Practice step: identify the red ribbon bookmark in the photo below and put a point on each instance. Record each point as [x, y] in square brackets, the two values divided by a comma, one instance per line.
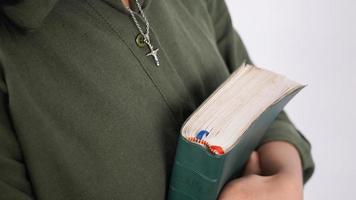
[218, 150]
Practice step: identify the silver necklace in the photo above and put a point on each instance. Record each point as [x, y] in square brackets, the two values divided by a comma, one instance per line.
[146, 36]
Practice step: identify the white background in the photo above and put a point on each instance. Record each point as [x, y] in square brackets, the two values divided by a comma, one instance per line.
[313, 42]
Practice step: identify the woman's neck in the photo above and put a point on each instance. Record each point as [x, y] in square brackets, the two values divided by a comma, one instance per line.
[126, 3]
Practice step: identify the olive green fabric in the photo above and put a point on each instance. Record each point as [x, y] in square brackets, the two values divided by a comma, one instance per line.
[85, 114]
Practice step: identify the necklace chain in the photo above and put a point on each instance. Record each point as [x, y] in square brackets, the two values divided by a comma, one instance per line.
[146, 36]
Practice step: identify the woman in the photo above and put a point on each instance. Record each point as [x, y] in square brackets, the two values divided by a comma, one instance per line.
[92, 103]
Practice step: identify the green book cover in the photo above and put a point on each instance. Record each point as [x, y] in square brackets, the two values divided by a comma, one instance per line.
[199, 174]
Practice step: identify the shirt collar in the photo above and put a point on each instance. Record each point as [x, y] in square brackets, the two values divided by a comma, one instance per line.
[29, 14]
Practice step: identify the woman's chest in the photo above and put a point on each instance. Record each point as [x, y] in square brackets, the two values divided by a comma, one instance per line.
[90, 50]
[81, 89]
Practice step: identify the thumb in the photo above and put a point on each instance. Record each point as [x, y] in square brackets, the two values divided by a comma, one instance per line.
[252, 165]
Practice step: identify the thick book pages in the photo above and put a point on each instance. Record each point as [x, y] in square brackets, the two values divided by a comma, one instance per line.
[218, 138]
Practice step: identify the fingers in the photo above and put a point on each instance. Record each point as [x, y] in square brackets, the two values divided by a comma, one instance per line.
[253, 165]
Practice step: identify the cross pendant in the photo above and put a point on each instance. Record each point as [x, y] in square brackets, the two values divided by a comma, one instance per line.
[154, 54]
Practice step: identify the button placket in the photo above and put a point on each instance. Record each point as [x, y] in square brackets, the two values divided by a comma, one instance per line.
[165, 78]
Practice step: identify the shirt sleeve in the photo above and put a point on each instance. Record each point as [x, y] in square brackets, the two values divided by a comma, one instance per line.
[234, 53]
[14, 183]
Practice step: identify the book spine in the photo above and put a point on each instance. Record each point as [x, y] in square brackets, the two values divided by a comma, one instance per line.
[196, 173]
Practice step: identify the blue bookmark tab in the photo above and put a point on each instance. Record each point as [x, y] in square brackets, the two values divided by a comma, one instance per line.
[201, 134]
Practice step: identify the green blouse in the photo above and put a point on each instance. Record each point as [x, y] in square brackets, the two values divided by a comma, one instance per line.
[85, 114]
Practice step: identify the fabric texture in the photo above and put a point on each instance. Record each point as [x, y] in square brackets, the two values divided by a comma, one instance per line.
[85, 114]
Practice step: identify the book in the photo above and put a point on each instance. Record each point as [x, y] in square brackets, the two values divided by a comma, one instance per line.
[219, 136]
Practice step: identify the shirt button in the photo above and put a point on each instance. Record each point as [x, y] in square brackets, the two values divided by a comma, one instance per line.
[140, 41]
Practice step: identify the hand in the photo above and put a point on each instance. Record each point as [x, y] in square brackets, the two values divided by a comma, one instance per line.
[273, 172]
